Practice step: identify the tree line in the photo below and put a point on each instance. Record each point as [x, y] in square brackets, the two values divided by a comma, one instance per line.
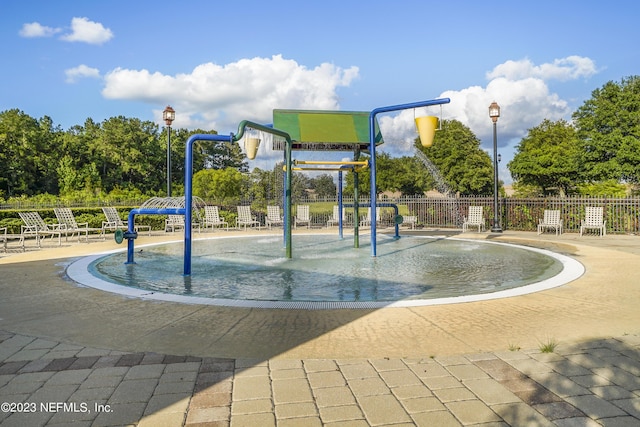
[598, 152]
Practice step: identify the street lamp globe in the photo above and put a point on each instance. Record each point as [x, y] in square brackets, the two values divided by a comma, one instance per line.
[494, 111]
[168, 115]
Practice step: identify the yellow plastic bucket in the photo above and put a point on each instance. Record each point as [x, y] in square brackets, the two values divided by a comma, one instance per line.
[426, 126]
[251, 147]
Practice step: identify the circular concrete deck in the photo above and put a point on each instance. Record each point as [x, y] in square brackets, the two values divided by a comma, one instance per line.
[39, 300]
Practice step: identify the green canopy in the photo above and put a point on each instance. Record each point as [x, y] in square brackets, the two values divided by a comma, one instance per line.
[322, 130]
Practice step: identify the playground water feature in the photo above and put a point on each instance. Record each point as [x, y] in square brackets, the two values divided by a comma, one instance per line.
[329, 272]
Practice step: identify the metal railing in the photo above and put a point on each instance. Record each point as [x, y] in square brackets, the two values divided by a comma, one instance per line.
[622, 215]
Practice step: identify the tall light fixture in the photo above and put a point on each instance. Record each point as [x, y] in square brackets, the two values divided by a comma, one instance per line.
[494, 113]
[168, 115]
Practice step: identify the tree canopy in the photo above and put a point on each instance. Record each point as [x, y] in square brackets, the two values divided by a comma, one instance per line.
[609, 131]
[464, 165]
[547, 158]
[119, 153]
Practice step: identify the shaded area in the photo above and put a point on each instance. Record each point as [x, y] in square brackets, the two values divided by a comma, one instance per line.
[592, 382]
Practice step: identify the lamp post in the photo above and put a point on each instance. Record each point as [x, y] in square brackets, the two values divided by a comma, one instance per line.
[168, 115]
[494, 113]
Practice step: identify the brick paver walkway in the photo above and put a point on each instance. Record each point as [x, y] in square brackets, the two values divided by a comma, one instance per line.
[44, 382]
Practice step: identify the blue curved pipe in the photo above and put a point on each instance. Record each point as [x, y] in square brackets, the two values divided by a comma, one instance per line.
[131, 227]
[372, 151]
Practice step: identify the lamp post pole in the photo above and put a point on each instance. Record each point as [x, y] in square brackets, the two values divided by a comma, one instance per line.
[168, 115]
[494, 113]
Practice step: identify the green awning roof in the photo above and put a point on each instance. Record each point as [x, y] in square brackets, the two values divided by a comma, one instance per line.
[322, 130]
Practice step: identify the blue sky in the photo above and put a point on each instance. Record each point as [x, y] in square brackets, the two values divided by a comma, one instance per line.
[217, 63]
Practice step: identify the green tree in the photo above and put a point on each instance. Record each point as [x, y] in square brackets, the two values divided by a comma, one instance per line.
[323, 186]
[221, 186]
[29, 151]
[456, 152]
[609, 131]
[548, 158]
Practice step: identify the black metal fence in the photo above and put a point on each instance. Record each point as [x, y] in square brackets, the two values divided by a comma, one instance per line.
[622, 215]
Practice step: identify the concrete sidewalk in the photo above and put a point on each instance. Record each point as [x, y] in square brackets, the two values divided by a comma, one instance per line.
[77, 356]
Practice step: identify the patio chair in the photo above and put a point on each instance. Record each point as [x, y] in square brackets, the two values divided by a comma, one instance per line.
[475, 219]
[594, 220]
[302, 216]
[67, 219]
[3, 236]
[335, 217]
[114, 222]
[213, 219]
[410, 221]
[245, 218]
[273, 216]
[174, 222]
[550, 220]
[34, 226]
[366, 220]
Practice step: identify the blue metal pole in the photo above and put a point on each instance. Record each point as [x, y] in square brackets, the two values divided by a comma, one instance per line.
[131, 234]
[372, 151]
[188, 191]
[340, 204]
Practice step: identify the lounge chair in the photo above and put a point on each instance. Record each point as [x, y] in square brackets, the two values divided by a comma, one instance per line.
[302, 216]
[335, 218]
[594, 220]
[34, 226]
[366, 220]
[114, 222]
[67, 219]
[475, 219]
[174, 222]
[410, 221]
[551, 220]
[245, 218]
[213, 219]
[273, 216]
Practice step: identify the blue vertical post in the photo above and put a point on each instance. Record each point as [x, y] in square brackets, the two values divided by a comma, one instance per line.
[372, 151]
[340, 204]
[188, 191]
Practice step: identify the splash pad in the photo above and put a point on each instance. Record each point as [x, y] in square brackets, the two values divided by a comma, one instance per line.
[252, 271]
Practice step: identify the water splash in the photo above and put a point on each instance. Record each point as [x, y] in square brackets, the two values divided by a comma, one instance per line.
[441, 185]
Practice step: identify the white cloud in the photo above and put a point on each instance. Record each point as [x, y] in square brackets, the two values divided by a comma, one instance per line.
[219, 97]
[519, 87]
[35, 29]
[81, 71]
[86, 31]
[563, 69]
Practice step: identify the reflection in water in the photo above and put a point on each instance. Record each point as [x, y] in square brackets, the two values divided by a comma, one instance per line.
[325, 268]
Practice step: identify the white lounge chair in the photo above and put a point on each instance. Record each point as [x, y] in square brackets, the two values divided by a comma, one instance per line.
[475, 219]
[114, 222]
[34, 226]
[594, 220]
[3, 236]
[410, 221]
[273, 216]
[69, 225]
[245, 218]
[335, 218]
[366, 220]
[551, 220]
[302, 216]
[175, 222]
[213, 219]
